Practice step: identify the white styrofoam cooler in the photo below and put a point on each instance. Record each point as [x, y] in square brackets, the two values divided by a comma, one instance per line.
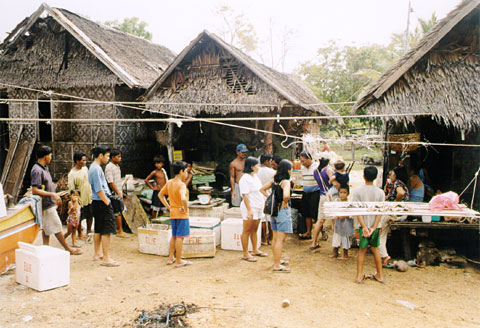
[233, 212]
[232, 230]
[200, 243]
[42, 267]
[154, 239]
[207, 223]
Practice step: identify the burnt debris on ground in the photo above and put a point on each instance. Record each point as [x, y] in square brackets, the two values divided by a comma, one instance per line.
[165, 315]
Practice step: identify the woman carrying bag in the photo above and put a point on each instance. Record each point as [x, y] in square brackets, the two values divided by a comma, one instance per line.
[282, 222]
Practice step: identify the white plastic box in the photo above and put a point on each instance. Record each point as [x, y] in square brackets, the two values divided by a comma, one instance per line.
[207, 223]
[154, 239]
[233, 212]
[212, 212]
[201, 243]
[232, 230]
[42, 267]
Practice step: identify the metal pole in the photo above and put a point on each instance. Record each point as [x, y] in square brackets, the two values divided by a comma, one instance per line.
[407, 31]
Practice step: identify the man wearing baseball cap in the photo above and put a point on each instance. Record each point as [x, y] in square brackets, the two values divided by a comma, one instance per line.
[236, 172]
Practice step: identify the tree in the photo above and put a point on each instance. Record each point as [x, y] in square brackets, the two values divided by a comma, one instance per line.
[397, 40]
[237, 30]
[133, 26]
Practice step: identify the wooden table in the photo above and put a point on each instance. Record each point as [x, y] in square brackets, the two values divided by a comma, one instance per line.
[406, 228]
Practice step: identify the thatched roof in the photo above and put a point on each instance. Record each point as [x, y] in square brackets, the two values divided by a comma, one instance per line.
[134, 61]
[440, 75]
[287, 86]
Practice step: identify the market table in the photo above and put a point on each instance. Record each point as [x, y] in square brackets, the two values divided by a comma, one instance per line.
[406, 229]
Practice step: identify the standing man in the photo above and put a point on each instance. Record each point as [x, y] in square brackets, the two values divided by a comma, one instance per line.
[102, 207]
[311, 194]
[42, 185]
[113, 175]
[236, 172]
[266, 174]
[78, 180]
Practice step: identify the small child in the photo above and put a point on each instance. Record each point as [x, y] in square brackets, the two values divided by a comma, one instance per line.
[161, 178]
[340, 177]
[343, 228]
[73, 219]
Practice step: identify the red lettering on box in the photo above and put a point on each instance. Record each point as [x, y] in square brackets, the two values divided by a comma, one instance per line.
[27, 267]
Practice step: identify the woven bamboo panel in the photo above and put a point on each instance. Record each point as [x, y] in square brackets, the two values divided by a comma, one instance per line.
[405, 137]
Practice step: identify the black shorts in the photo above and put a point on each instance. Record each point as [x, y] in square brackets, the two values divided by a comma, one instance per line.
[310, 204]
[155, 200]
[86, 212]
[104, 219]
[117, 205]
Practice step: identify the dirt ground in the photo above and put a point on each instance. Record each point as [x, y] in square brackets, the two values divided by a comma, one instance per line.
[234, 293]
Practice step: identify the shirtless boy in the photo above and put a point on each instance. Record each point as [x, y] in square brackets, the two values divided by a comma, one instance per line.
[236, 172]
[160, 177]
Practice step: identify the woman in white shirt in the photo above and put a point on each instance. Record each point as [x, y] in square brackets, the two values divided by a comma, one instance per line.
[251, 208]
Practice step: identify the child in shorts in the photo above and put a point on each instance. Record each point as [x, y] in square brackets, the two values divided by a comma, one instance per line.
[369, 225]
[73, 220]
[339, 178]
[177, 204]
[160, 177]
[343, 228]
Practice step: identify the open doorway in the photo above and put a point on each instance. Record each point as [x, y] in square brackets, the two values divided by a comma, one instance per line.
[44, 128]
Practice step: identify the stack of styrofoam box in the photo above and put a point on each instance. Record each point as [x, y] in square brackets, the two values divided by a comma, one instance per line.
[233, 212]
[200, 243]
[211, 212]
[232, 230]
[42, 267]
[207, 223]
[154, 239]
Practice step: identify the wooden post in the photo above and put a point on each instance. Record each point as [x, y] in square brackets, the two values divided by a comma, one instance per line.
[268, 140]
[170, 147]
[353, 151]
[407, 252]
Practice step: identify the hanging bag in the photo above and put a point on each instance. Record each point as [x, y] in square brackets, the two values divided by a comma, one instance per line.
[271, 206]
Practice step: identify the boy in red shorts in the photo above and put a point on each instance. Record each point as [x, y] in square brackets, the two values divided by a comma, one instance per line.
[178, 206]
[369, 224]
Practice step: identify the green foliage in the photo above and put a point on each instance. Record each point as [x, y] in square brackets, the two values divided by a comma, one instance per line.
[341, 73]
[133, 26]
[397, 40]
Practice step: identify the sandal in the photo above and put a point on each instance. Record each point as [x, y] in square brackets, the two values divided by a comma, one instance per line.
[304, 236]
[184, 264]
[374, 277]
[324, 236]
[282, 270]
[249, 259]
[361, 281]
[312, 248]
[261, 254]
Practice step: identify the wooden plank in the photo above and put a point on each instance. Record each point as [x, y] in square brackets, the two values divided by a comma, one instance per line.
[135, 216]
[19, 165]
[434, 225]
[8, 161]
[391, 208]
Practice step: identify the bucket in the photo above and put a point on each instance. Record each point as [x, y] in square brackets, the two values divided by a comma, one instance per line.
[426, 219]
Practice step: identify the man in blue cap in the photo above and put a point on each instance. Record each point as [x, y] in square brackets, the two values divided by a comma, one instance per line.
[236, 172]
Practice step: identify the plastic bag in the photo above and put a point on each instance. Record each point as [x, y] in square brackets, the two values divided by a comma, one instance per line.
[446, 201]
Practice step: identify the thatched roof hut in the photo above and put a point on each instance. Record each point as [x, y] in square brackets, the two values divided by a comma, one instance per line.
[439, 76]
[238, 80]
[27, 59]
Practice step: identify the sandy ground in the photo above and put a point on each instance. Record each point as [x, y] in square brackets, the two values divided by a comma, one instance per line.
[321, 291]
[235, 293]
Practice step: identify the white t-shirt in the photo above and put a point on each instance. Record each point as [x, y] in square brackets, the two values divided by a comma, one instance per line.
[265, 174]
[368, 193]
[251, 185]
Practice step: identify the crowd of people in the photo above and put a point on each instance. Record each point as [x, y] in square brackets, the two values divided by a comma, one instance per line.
[98, 194]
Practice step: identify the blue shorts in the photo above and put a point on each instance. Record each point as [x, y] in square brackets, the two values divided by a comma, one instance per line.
[180, 227]
[282, 222]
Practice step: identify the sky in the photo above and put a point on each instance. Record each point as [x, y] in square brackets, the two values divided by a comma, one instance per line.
[313, 22]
